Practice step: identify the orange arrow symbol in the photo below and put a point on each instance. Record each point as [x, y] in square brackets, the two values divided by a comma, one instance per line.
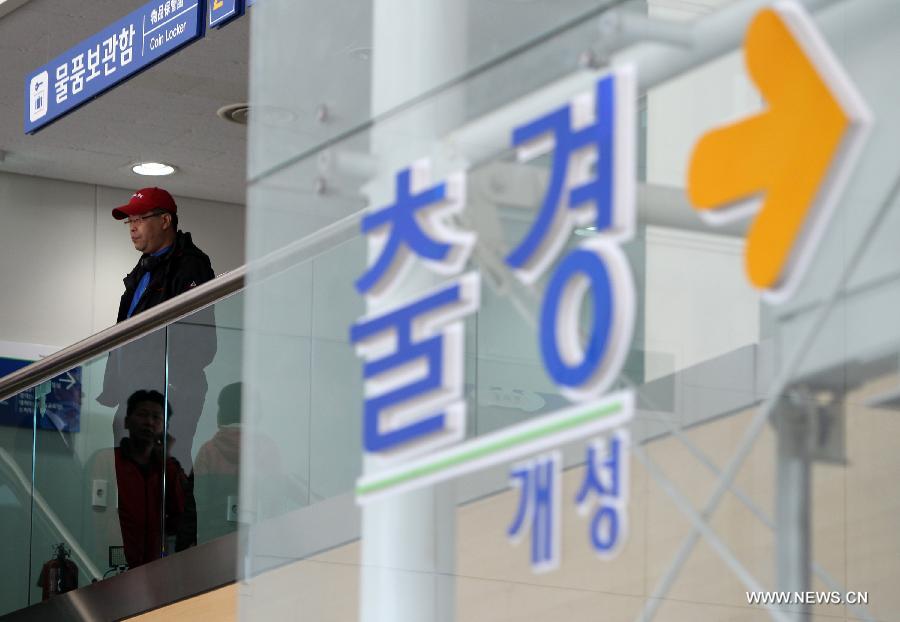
[795, 156]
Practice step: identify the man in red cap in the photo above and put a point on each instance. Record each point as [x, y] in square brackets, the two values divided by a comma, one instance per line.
[170, 264]
[169, 257]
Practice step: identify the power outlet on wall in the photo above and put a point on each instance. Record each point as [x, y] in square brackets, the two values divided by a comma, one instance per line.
[99, 493]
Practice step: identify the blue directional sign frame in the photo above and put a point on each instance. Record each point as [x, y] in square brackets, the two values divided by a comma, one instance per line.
[158, 32]
[222, 12]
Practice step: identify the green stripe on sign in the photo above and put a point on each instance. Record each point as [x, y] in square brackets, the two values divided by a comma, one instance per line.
[479, 452]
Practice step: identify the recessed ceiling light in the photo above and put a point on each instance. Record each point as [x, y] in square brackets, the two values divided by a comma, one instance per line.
[153, 168]
[236, 113]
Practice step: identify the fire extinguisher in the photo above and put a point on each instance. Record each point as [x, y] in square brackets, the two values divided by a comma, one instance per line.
[60, 574]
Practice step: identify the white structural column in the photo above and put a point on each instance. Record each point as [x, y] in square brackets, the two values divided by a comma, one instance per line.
[408, 541]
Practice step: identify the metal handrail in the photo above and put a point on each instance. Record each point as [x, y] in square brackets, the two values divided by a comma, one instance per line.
[122, 333]
[177, 308]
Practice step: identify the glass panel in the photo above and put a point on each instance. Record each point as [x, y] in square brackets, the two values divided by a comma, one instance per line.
[335, 393]
[16, 454]
[98, 478]
[330, 92]
[279, 413]
[205, 357]
[794, 403]
[94, 506]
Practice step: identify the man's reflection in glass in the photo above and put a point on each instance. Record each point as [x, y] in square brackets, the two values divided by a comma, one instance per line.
[218, 465]
[139, 475]
[217, 468]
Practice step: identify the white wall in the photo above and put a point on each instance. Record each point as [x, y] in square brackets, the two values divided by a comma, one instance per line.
[63, 256]
[698, 305]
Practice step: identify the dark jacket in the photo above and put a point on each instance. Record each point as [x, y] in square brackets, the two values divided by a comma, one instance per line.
[140, 503]
[192, 341]
[184, 267]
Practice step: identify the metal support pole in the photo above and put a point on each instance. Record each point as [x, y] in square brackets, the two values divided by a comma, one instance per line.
[702, 527]
[623, 28]
[793, 479]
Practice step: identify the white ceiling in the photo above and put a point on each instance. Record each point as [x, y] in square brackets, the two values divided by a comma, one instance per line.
[167, 113]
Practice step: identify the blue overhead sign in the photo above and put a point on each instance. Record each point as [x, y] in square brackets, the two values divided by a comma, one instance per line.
[222, 12]
[115, 54]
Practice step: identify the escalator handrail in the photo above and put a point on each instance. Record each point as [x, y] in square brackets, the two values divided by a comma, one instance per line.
[122, 333]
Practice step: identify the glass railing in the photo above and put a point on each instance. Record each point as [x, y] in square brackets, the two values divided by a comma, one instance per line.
[128, 457]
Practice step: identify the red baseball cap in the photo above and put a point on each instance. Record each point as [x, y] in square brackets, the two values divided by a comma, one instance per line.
[146, 200]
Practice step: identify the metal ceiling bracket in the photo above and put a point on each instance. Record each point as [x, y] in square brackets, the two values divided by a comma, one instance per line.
[818, 416]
